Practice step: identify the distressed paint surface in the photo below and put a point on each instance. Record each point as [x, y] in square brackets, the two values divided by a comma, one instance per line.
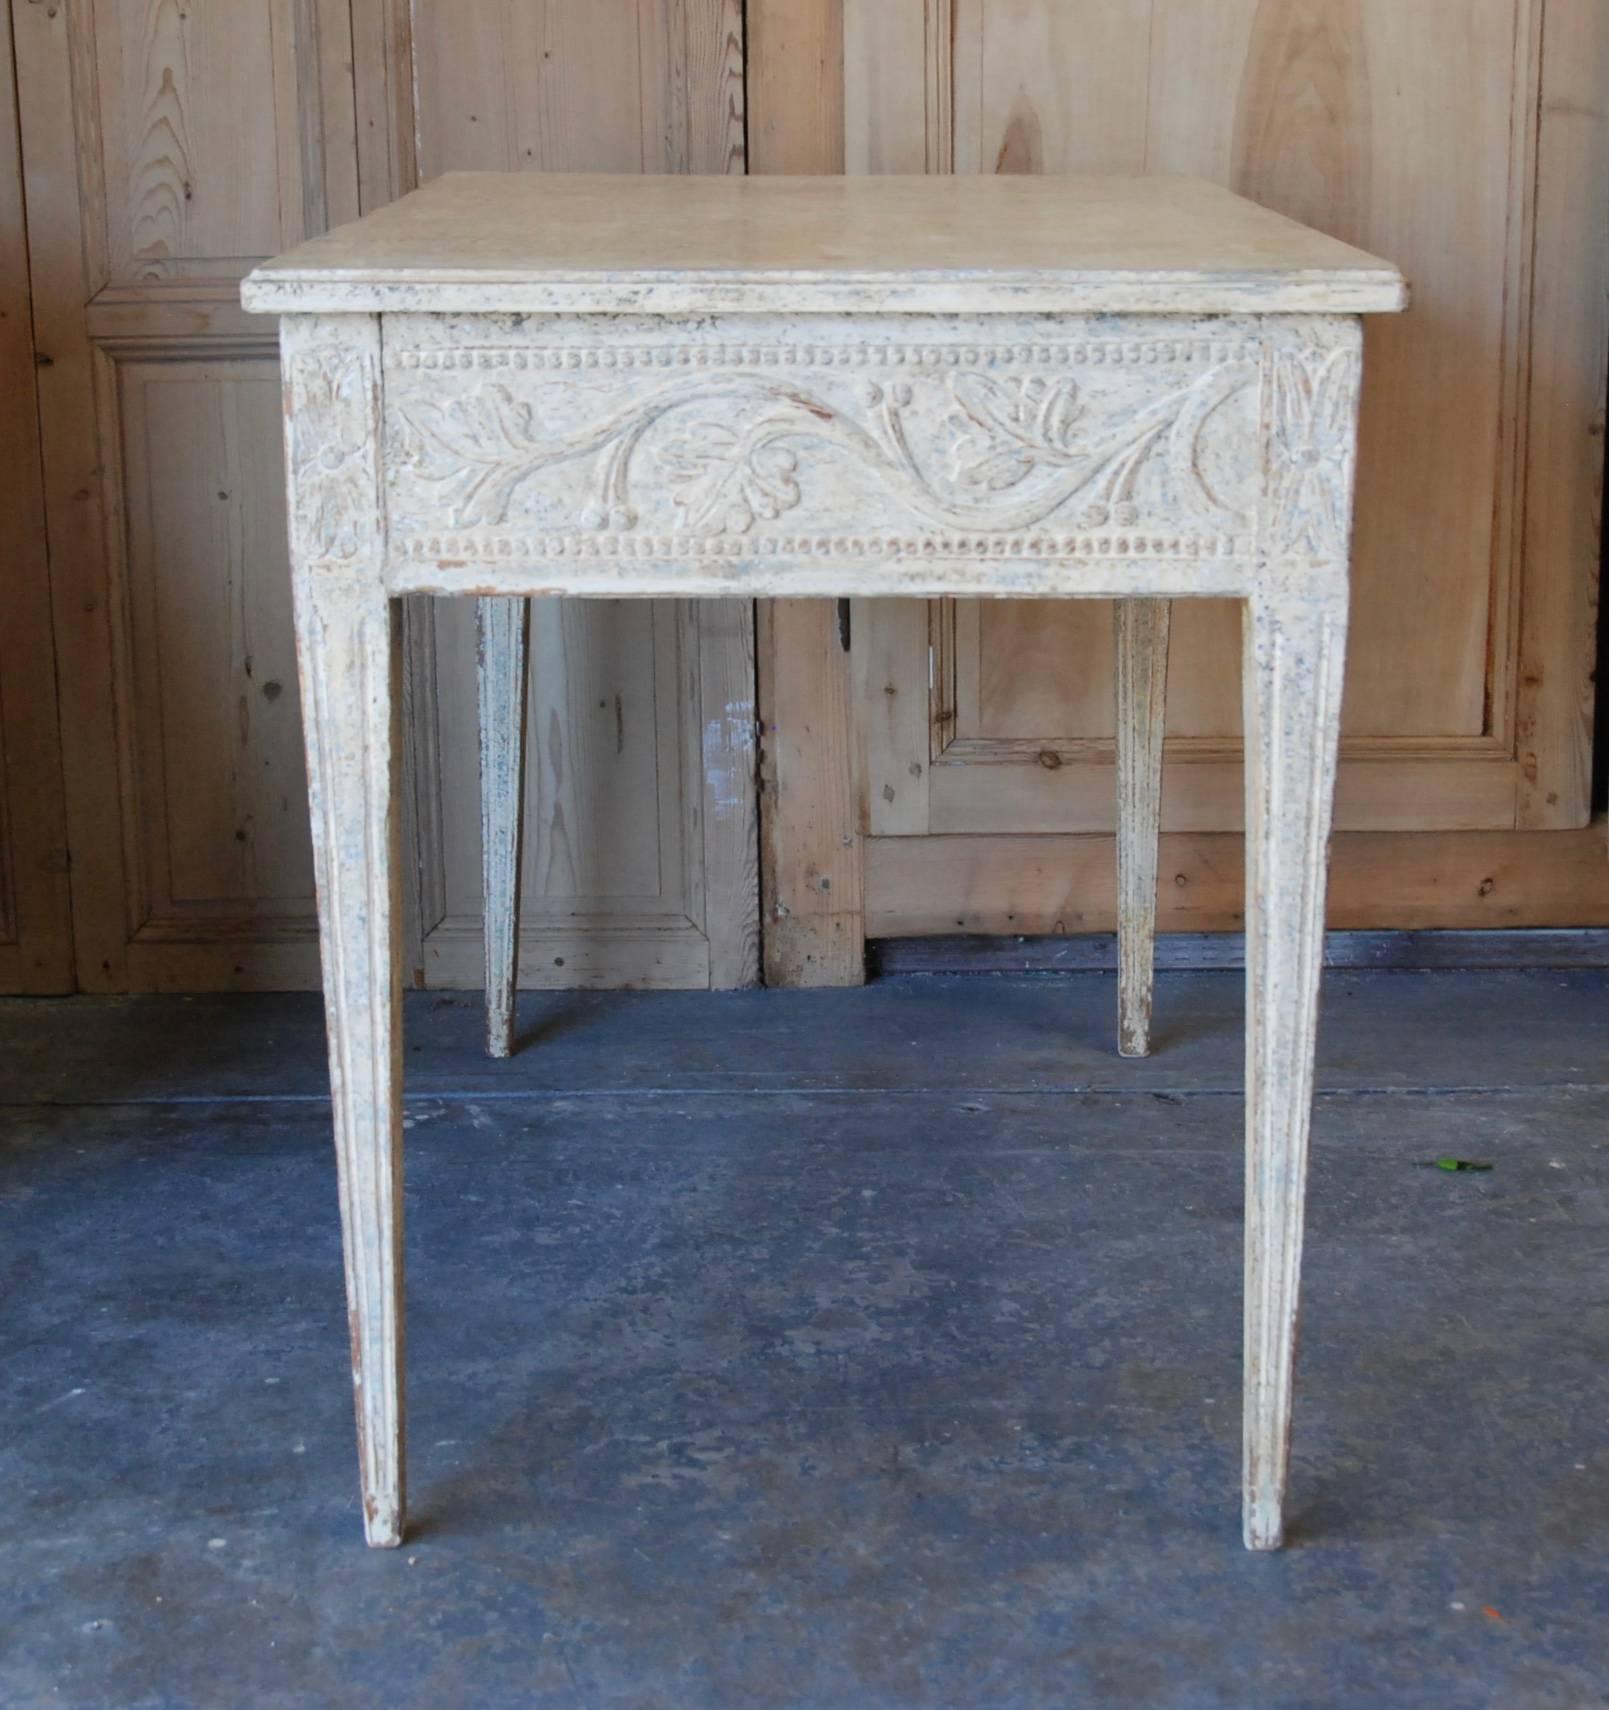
[502, 631]
[729, 760]
[348, 643]
[533, 243]
[1140, 455]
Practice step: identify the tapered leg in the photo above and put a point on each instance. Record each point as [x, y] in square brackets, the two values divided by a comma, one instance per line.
[1141, 630]
[1295, 643]
[503, 626]
[348, 641]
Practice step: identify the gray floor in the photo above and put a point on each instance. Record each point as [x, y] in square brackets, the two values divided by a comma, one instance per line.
[849, 1349]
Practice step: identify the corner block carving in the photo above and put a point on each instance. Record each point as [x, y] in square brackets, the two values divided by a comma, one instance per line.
[331, 406]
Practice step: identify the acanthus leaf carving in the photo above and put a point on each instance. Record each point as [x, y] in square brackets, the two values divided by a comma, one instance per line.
[720, 483]
[980, 450]
[1007, 428]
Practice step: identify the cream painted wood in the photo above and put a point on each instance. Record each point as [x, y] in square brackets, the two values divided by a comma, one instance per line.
[1144, 440]
[349, 649]
[602, 243]
[1141, 636]
[502, 628]
[1295, 628]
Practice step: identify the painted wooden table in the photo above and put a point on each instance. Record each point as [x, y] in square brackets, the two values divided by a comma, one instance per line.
[1133, 389]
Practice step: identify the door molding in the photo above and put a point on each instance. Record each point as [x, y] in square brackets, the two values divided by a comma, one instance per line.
[1509, 798]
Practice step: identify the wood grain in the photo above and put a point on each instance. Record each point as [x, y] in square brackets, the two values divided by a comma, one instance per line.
[1337, 110]
[168, 148]
[623, 865]
[1288, 105]
[35, 929]
[814, 913]
[894, 668]
[66, 244]
[1564, 448]
[898, 86]
[1470, 674]
[1046, 88]
[809, 820]
[192, 103]
[383, 94]
[222, 824]
[795, 66]
[1397, 881]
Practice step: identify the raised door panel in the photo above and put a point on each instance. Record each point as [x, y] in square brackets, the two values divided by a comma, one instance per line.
[626, 879]
[1468, 139]
[612, 864]
[167, 146]
[1338, 115]
[1338, 112]
[226, 132]
[218, 817]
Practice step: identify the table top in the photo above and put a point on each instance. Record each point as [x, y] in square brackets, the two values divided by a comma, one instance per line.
[503, 242]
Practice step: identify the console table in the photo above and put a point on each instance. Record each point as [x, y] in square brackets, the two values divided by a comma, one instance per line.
[517, 385]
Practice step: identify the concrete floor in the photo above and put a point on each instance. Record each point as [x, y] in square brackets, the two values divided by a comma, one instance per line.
[850, 1349]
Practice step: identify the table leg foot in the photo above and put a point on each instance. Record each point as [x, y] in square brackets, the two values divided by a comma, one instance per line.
[1141, 636]
[502, 629]
[1294, 654]
[1264, 1522]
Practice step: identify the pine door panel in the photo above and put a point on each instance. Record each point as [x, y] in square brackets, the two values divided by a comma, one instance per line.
[167, 146]
[1339, 113]
[1412, 131]
[619, 883]
[210, 136]
[1468, 139]
[222, 824]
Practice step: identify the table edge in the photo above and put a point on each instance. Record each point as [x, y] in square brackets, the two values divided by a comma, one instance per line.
[465, 291]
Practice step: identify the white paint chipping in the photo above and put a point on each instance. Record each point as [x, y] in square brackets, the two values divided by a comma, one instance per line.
[729, 744]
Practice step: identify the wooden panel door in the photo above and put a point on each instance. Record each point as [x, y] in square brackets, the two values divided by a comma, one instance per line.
[1467, 140]
[640, 857]
[35, 932]
[166, 146]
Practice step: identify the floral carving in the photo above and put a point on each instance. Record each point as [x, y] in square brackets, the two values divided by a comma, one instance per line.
[332, 390]
[486, 434]
[1005, 429]
[1315, 401]
[969, 446]
[724, 485]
